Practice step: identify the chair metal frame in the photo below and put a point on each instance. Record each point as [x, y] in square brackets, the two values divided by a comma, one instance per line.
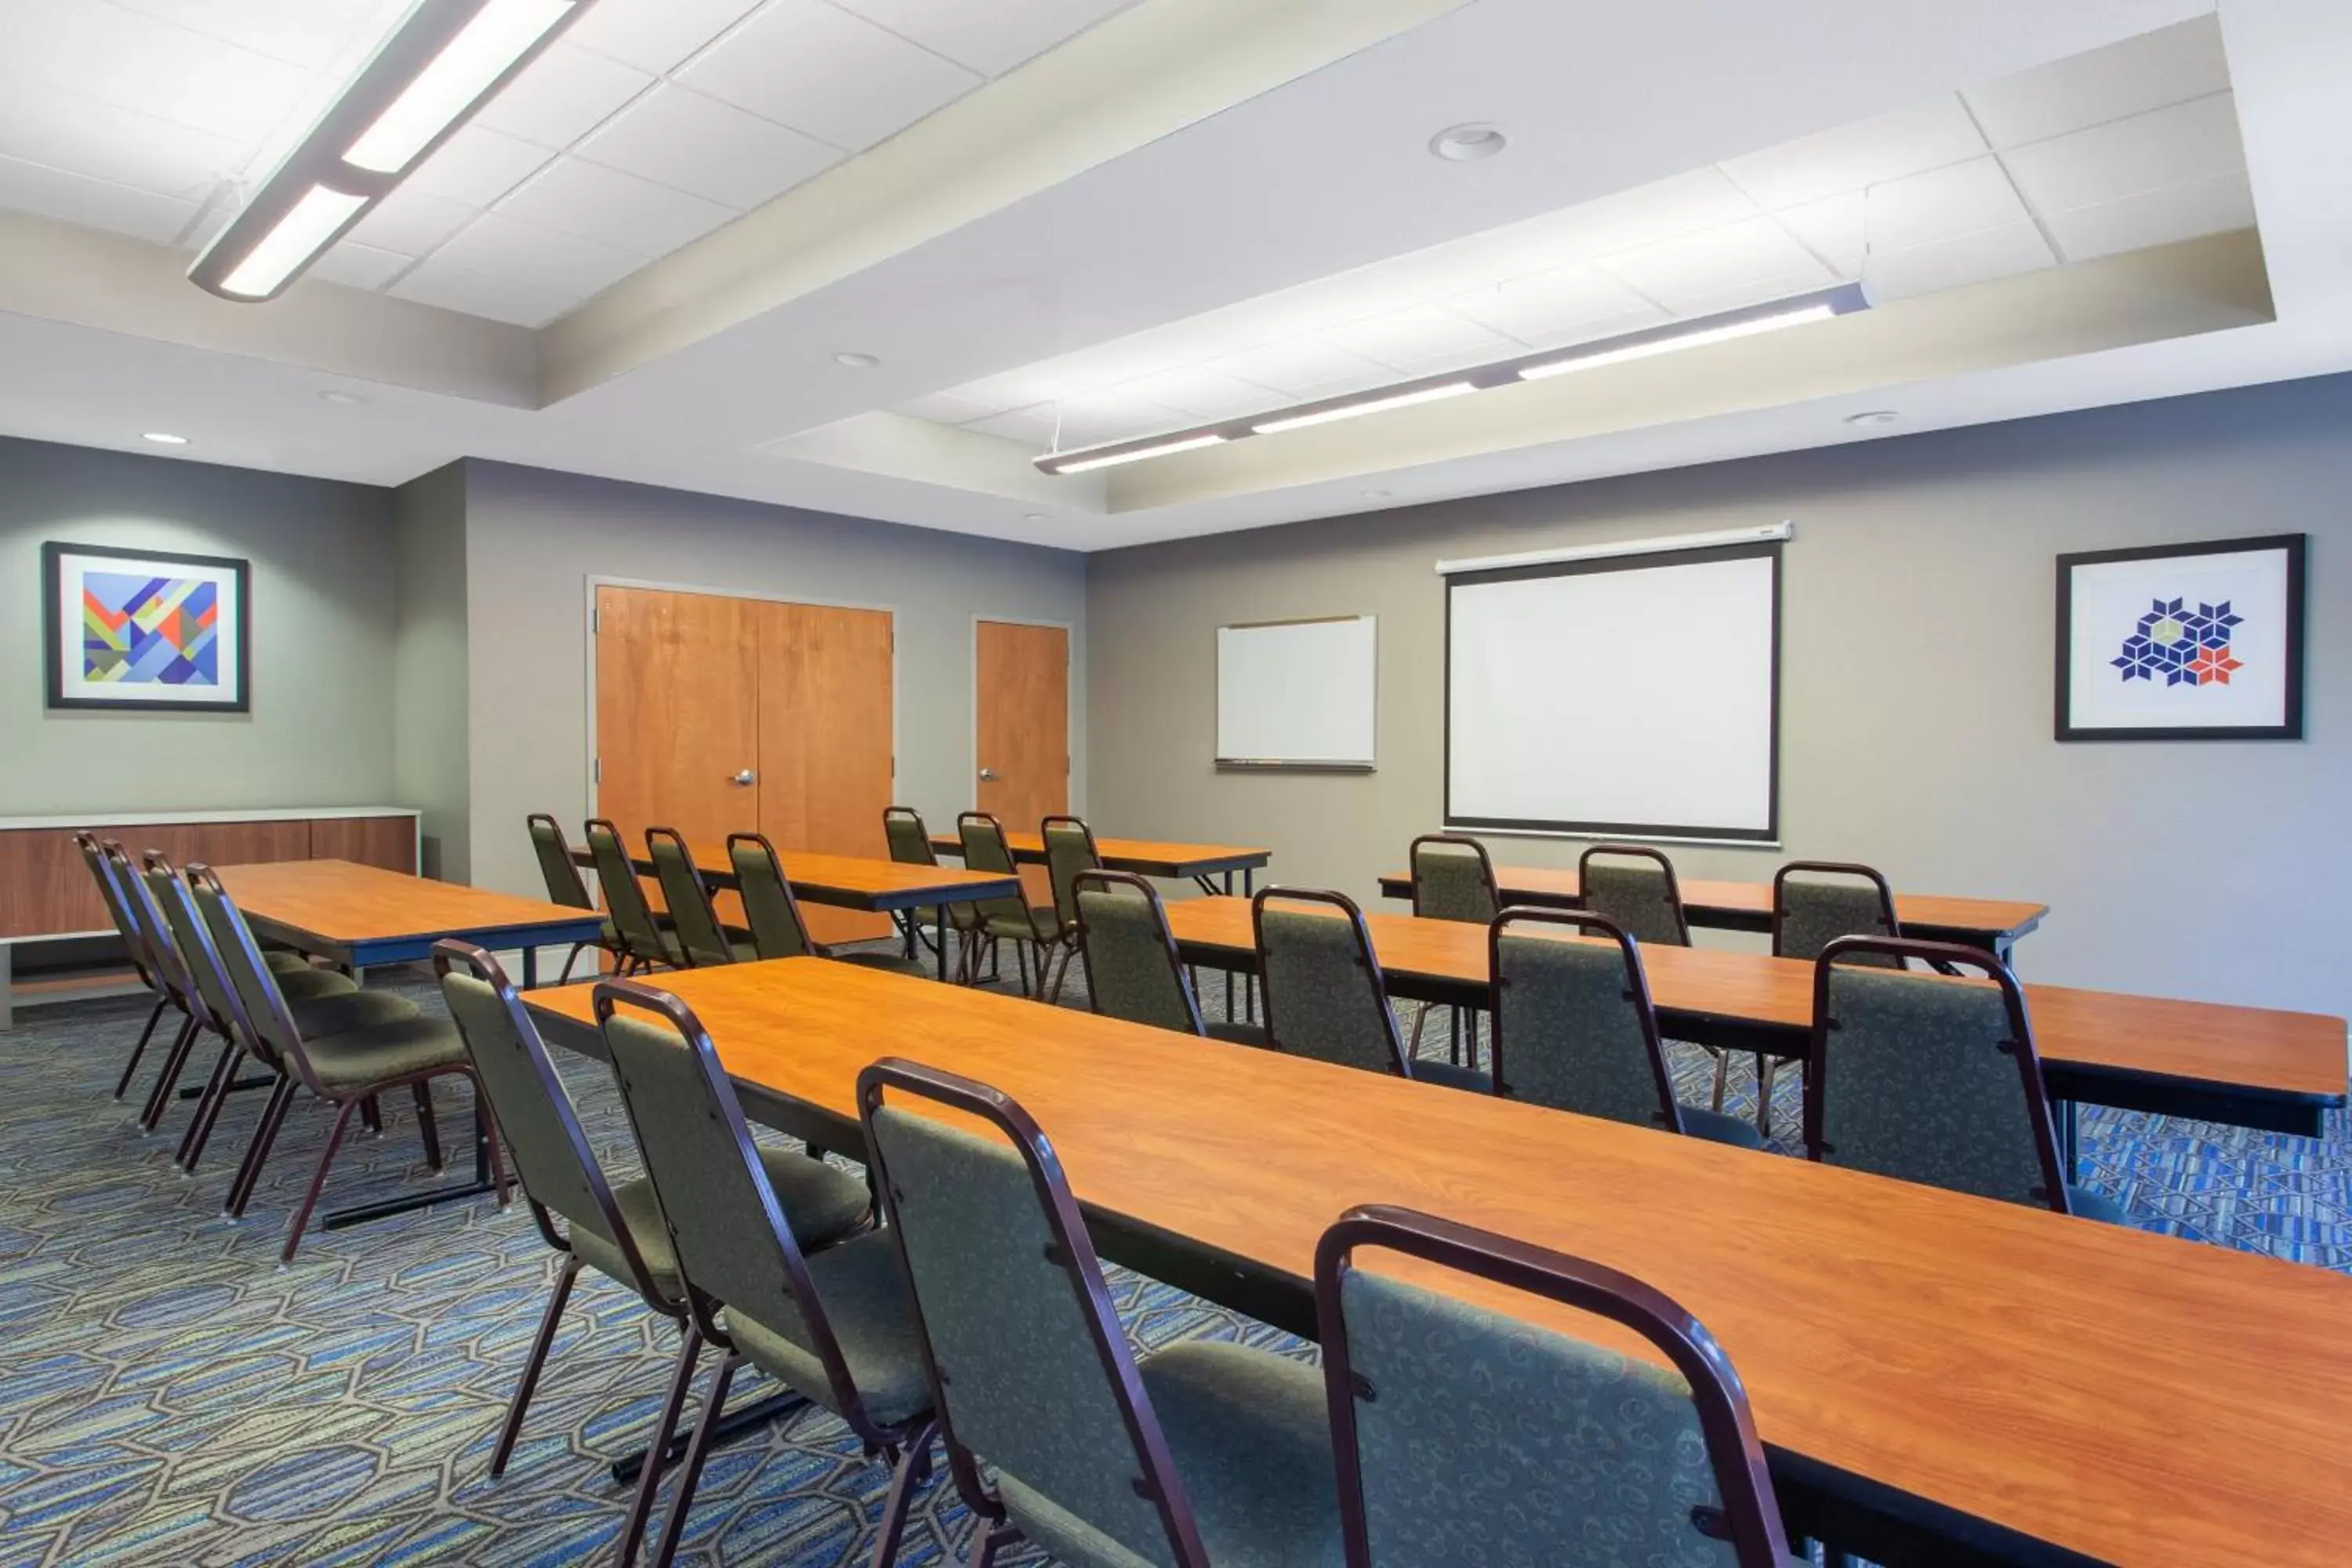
[1637, 996]
[910, 922]
[1493, 897]
[172, 970]
[1065, 940]
[634, 960]
[134, 947]
[1105, 880]
[967, 919]
[1751, 1518]
[695, 894]
[1074, 1251]
[1366, 960]
[575, 894]
[810, 946]
[1767, 1068]
[1947, 957]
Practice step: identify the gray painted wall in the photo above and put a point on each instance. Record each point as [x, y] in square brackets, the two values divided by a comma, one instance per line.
[320, 731]
[535, 539]
[430, 766]
[1916, 684]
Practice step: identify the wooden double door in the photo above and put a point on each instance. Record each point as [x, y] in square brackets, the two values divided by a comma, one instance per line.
[718, 715]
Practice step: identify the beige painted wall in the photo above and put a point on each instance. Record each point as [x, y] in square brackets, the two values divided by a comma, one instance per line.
[1918, 625]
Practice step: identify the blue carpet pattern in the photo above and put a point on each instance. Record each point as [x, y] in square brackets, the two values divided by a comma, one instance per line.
[170, 1396]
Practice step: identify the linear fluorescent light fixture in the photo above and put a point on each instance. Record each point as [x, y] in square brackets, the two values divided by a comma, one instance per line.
[443, 62]
[1843, 299]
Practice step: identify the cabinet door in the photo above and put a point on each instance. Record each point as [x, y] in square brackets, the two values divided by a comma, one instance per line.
[389, 842]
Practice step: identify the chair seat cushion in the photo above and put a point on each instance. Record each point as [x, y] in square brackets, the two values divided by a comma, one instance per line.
[321, 1017]
[1251, 1436]
[1241, 1034]
[1717, 1128]
[385, 1053]
[283, 962]
[863, 1294]
[2096, 1205]
[821, 1203]
[887, 963]
[302, 985]
[1477, 1081]
[1038, 925]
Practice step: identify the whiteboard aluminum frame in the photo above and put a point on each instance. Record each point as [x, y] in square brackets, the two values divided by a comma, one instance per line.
[1775, 532]
[1288, 764]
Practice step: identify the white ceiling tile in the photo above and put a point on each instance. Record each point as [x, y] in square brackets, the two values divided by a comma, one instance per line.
[1019, 388]
[411, 222]
[712, 149]
[1306, 368]
[82, 135]
[478, 165]
[1423, 340]
[1032, 427]
[655, 35]
[498, 246]
[356, 266]
[1202, 394]
[317, 34]
[1907, 141]
[839, 78]
[94, 203]
[563, 95]
[1091, 418]
[436, 283]
[989, 39]
[2189, 141]
[1956, 263]
[1695, 273]
[2155, 218]
[1548, 308]
[154, 67]
[2168, 66]
[946, 408]
[1920, 209]
[589, 201]
[1833, 228]
[1702, 199]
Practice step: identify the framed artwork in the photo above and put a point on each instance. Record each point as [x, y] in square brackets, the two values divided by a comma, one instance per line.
[144, 630]
[2183, 642]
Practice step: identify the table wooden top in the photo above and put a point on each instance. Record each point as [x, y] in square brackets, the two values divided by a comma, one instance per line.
[858, 880]
[1934, 912]
[2132, 1397]
[337, 901]
[2286, 1053]
[1145, 856]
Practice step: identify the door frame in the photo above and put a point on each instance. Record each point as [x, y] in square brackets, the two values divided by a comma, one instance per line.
[588, 641]
[1071, 795]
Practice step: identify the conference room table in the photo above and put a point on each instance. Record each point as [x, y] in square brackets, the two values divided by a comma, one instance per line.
[1994, 924]
[358, 916]
[2251, 1067]
[1936, 1377]
[850, 882]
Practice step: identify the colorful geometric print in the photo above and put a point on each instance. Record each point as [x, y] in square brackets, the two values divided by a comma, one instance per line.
[2186, 646]
[149, 631]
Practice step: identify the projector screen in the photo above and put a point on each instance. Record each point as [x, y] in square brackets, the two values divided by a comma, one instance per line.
[1617, 695]
[1297, 693]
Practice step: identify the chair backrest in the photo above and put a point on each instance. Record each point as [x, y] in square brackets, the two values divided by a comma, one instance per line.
[1574, 1028]
[984, 849]
[1010, 1296]
[909, 840]
[1454, 879]
[625, 895]
[262, 1015]
[1814, 902]
[1464, 1436]
[1069, 849]
[730, 1236]
[1133, 968]
[1929, 1077]
[1325, 994]
[689, 897]
[167, 970]
[534, 1113]
[556, 867]
[134, 941]
[205, 986]
[1634, 885]
[774, 914]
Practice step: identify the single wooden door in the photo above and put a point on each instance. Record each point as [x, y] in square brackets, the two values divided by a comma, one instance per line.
[677, 713]
[825, 760]
[1023, 729]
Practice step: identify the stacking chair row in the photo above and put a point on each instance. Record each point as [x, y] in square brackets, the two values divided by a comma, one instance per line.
[964, 1304]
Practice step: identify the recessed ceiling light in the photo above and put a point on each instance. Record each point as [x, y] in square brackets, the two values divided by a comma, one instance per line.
[1036, 516]
[342, 399]
[164, 438]
[1873, 416]
[1468, 143]
[856, 361]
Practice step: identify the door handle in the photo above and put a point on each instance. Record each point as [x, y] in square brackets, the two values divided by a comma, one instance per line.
[988, 776]
[745, 778]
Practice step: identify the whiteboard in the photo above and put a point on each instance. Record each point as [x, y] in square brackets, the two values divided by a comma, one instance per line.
[1636, 696]
[1297, 693]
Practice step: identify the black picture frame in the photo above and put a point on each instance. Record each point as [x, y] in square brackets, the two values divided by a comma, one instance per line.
[240, 572]
[2289, 728]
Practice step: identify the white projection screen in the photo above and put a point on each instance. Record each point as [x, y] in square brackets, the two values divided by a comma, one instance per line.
[1621, 695]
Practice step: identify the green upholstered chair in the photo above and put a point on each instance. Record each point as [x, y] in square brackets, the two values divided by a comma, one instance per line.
[1198, 1454]
[1575, 1030]
[614, 1227]
[774, 911]
[989, 921]
[1932, 1078]
[1814, 902]
[909, 844]
[1453, 879]
[564, 885]
[702, 941]
[1634, 886]
[348, 1070]
[647, 941]
[1466, 1438]
[1325, 996]
[837, 1326]
[1133, 968]
[1069, 849]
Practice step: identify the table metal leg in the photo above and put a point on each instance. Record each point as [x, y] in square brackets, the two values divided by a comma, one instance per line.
[361, 1214]
[1249, 980]
[2070, 1139]
[530, 968]
[941, 912]
[7, 986]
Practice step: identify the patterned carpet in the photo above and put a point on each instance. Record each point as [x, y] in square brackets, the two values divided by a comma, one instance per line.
[168, 1395]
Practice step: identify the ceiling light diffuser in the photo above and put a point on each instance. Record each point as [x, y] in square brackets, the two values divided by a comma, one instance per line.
[287, 247]
[459, 76]
[1370, 406]
[1670, 343]
[164, 438]
[1137, 455]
